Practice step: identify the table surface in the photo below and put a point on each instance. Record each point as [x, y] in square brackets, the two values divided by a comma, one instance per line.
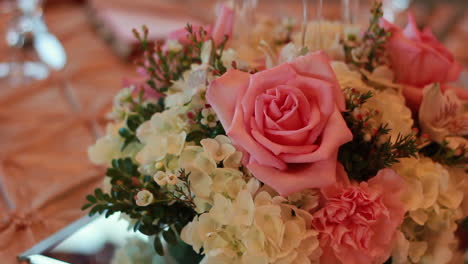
[44, 168]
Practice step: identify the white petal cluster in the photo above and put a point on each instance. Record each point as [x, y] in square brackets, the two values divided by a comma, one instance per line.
[161, 136]
[109, 146]
[389, 102]
[206, 177]
[253, 229]
[433, 200]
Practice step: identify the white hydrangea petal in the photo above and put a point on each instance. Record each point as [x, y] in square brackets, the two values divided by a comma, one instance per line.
[233, 160]
[212, 147]
[175, 143]
[200, 182]
[243, 208]
[154, 150]
[221, 211]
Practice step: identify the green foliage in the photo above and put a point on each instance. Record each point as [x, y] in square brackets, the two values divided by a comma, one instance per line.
[371, 148]
[165, 217]
[165, 66]
[368, 52]
[441, 153]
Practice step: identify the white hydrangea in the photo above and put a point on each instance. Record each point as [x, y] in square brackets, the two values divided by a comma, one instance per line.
[388, 101]
[163, 135]
[190, 88]
[433, 199]
[109, 146]
[253, 229]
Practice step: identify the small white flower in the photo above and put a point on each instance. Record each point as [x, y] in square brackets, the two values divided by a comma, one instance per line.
[172, 178]
[173, 45]
[209, 117]
[144, 198]
[160, 178]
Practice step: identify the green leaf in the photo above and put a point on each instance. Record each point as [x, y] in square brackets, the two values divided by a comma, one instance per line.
[170, 236]
[133, 122]
[91, 198]
[158, 247]
[99, 194]
[86, 206]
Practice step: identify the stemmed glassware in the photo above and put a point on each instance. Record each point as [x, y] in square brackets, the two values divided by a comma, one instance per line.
[33, 51]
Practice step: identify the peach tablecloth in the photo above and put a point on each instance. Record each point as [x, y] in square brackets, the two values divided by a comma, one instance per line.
[44, 169]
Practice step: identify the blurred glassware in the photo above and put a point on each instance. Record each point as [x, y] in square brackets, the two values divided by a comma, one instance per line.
[32, 50]
[392, 8]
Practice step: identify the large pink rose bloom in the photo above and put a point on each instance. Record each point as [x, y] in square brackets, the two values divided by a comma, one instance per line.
[418, 59]
[286, 120]
[358, 222]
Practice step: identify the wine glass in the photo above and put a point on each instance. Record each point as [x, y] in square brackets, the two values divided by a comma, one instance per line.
[23, 63]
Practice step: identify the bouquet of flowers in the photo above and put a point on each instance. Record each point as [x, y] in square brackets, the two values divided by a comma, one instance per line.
[278, 148]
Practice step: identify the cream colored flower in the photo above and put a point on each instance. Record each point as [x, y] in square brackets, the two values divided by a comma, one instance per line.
[109, 146]
[442, 115]
[258, 228]
[144, 198]
[389, 103]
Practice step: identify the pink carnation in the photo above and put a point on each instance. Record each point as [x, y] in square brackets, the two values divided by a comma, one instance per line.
[358, 222]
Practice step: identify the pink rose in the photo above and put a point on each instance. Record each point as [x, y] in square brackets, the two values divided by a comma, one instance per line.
[358, 223]
[286, 120]
[418, 59]
[222, 27]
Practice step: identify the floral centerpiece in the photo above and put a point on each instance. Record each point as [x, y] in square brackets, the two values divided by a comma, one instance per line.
[347, 150]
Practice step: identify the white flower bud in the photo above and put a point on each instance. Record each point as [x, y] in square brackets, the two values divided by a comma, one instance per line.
[159, 165]
[172, 179]
[160, 178]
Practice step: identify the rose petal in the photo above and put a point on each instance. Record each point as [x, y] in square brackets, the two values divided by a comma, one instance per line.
[335, 134]
[224, 92]
[278, 148]
[317, 66]
[238, 133]
[263, 81]
[314, 175]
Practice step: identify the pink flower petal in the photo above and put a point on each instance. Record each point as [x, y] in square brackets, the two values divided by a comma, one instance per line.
[224, 93]
[223, 25]
[238, 132]
[304, 176]
[317, 66]
[262, 81]
[335, 134]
